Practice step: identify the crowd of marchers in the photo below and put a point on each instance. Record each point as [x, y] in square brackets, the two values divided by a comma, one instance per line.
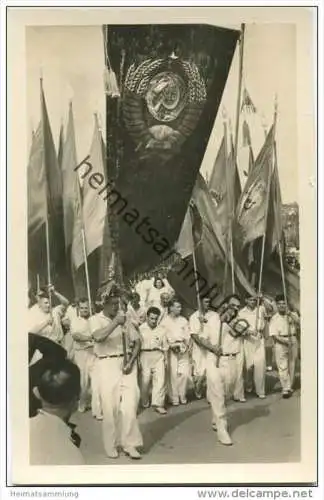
[126, 354]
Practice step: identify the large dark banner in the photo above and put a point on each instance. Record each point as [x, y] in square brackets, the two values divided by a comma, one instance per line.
[171, 79]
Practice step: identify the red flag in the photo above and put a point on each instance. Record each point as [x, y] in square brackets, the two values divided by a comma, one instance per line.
[253, 204]
[94, 206]
[60, 146]
[36, 182]
[211, 254]
[225, 184]
[275, 224]
[173, 79]
[70, 194]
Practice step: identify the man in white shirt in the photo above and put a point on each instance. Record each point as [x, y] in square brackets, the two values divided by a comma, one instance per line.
[253, 345]
[153, 360]
[50, 440]
[164, 306]
[43, 320]
[135, 312]
[83, 349]
[199, 323]
[115, 339]
[178, 337]
[283, 329]
[222, 347]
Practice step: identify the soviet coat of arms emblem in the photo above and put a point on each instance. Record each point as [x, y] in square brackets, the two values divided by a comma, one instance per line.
[162, 103]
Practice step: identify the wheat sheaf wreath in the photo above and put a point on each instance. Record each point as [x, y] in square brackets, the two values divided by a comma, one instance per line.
[162, 138]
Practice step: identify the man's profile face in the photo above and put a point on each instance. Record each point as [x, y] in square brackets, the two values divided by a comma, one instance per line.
[44, 304]
[111, 307]
[205, 304]
[152, 320]
[234, 303]
[84, 309]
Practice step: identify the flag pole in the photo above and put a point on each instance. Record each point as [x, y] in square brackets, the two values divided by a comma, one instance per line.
[112, 91]
[239, 92]
[194, 258]
[228, 228]
[84, 244]
[265, 226]
[47, 238]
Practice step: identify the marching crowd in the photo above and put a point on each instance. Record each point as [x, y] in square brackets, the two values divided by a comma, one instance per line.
[120, 356]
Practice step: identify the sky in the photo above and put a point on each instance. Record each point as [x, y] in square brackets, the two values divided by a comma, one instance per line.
[71, 61]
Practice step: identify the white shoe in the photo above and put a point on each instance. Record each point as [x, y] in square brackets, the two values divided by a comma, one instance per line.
[240, 400]
[160, 410]
[113, 453]
[224, 437]
[262, 396]
[132, 453]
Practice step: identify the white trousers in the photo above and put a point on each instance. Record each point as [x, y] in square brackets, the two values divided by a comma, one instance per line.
[153, 369]
[85, 359]
[220, 386]
[198, 361]
[96, 405]
[254, 352]
[179, 375]
[119, 396]
[286, 360]
[239, 380]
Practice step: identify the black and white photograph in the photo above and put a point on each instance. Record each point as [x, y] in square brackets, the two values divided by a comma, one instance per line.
[165, 245]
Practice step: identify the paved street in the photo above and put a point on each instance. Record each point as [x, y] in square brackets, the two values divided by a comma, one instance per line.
[263, 431]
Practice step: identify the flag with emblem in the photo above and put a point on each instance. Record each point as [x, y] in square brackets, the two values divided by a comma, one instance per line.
[252, 209]
[171, 79]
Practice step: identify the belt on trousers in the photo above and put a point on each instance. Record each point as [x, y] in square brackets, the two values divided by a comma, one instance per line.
[111, 356]
[150, 350]
[229, 355]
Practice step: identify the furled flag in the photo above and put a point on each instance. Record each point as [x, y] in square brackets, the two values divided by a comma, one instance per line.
[252, 209]
[70, 187]
[36, 183]
[274, 234]
[247, 103]
[94, 207]
[171, 80]
[60, 146]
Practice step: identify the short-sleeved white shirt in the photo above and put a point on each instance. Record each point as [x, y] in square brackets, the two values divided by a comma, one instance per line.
[53, 332]
[280, 326]
[153, 338]
[113, 344]
[82, 326]
[177, 329]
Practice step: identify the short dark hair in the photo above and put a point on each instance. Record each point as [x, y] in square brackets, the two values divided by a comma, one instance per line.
[280, 298]
[174, 300]
[232, 296]
[59, 382]
[153, 310]
[43, 294]
[83, 300]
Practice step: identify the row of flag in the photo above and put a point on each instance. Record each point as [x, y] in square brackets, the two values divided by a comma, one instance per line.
[224, 210]
[58, 199]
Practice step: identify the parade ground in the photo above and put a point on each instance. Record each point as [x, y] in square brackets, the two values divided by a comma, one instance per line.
[263, 431]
